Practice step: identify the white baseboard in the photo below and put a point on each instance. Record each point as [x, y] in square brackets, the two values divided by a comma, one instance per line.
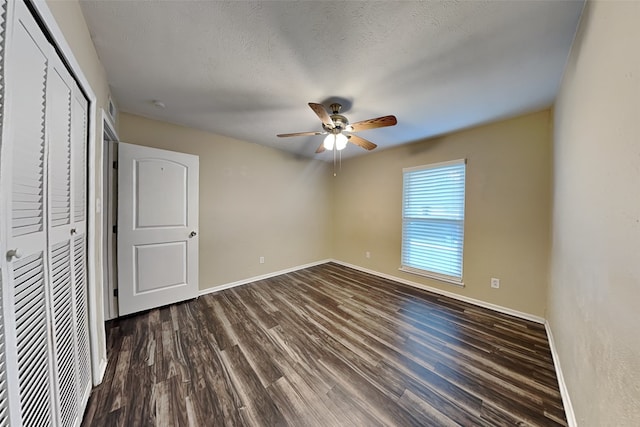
[480, 303]
[261, 277]
[564, 391]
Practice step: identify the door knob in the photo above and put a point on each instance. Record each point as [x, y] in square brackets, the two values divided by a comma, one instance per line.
[193, 234]
[73, 231]
[13, 253]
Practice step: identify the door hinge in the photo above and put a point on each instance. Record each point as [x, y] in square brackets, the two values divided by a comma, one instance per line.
[115, 292]
[115, 229]
[115, 165]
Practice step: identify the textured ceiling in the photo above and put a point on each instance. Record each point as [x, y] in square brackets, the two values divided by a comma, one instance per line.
[247, 69]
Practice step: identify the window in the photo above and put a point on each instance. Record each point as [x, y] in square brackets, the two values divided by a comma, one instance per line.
[433, 220]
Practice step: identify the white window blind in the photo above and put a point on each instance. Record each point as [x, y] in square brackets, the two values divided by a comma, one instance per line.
[433, 220]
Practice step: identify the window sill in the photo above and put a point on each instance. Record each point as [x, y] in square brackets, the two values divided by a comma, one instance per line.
[434, 276]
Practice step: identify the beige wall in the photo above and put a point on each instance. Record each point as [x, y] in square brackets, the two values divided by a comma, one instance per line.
[594, 292]
[507, 209]
[254, 201]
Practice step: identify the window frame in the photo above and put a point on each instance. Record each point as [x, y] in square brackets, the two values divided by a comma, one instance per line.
[455, 280]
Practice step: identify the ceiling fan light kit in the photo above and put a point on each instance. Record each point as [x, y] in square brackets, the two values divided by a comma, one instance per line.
[339, 141]
[338, 129]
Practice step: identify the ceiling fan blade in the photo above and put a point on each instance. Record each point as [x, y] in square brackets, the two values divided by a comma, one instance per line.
[367, 145]
[320, 148]
[321, 112]
[378, 122]
[285, 135]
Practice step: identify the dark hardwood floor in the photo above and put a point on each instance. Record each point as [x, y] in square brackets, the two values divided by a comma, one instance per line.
[326, 346]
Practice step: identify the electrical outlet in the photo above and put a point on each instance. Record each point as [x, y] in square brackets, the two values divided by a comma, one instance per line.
[495, 283]
[261, 260]
[367, 254]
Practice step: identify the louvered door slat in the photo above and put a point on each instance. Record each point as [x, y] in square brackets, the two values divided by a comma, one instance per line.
[20, 207]
[60, 219]
[27, 229]
[28, 181]
[27, 198]
[24, 213]
[32, 341]
[26, 151]
[25, 222]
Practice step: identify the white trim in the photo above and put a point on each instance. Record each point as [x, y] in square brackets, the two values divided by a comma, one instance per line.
[106, 195]
[111, 128]
[564, 391]
[102, 367]
[479, 303]
[96, 315]
[261, 277]
[435, 165]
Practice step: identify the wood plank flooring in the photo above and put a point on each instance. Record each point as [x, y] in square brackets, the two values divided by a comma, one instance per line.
[326, 346]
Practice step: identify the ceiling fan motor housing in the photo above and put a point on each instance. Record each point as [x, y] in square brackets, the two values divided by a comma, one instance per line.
[340, 122]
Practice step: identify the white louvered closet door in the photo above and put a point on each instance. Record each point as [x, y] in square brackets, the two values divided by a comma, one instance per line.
[43, 188]
[60, 88]
[67, 240]
[24, 172]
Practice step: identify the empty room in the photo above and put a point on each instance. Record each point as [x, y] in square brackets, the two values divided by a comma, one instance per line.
[319, 213]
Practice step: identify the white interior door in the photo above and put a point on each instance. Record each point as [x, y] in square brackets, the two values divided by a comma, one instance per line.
[157, 227]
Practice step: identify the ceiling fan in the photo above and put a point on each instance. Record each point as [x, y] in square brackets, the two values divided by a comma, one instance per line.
[339, 131]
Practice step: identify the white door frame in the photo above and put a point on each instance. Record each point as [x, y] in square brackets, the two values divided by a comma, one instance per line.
[94, 169]
[109, 277]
